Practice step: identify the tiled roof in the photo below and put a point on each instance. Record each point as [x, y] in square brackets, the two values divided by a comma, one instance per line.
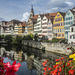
[53, 14]
[35, 17]
[63, 14]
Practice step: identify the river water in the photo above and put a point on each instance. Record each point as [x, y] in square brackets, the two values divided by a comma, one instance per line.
[31, 59]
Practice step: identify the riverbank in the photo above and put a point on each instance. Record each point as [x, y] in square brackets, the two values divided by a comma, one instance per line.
[60, 48]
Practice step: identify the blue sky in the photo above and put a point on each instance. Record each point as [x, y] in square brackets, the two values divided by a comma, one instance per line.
[20, 9]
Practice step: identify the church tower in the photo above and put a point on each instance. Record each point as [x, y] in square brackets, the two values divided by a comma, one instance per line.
[32, 12]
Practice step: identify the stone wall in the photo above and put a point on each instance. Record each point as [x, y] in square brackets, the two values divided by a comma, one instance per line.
[53, 47]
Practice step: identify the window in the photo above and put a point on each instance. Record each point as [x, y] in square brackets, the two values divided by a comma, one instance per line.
[68, 13]
[70, 37]
[71, 17]
[49, 31]
[73, 36]
[71, 29]
[60, 30]
[49, 27]
[57, 14]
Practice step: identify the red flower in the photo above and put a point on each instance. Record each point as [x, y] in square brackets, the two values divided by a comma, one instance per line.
[60, 69]
[70, 61]
[11, 69]
[61, 58]
[71, 71]
[57, 60]
[44, 73]
[49, 68]
[68, 48]
[58, 73]
[45, 69]
[68, 64]
[43, 63]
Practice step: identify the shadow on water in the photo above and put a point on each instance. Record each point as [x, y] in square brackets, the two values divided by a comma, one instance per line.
[30, 58]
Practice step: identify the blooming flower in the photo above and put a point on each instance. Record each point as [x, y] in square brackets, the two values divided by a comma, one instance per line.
[71, 71]
[11, 69]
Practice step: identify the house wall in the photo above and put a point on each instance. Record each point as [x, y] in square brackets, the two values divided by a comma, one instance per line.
[38, 26]
[68, 21]
[58, 26]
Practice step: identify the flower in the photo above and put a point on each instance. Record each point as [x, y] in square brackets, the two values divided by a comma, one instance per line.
[68, 48]
[74, 58]
[68, 64]
[61, 58]
[57, 63]
[45, 69]
[49, 68]
[72, 55]
[57, 60]
[60, 69]
[71, 71]
[11, 69]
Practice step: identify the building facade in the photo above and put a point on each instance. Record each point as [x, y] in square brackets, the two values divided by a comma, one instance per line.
[58, 26]
[38, 25]
[6, 28]
[21, 28]
[16, 29]
[71, 34]
[69, 19]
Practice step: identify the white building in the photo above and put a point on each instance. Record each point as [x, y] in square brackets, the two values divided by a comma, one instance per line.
[71, 34]
[38, 25]
[47, 28]
[6, 28]
[16, 29]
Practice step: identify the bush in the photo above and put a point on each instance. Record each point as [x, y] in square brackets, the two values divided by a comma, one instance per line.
[55, 40]
[8, 38]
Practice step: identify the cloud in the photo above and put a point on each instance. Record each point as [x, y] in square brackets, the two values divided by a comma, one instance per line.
[25, 16]
[60, 5]
[69, 3]
[1, 19]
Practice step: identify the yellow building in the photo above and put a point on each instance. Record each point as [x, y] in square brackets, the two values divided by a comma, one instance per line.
[30, 24]
[58, 26]
[21, 28]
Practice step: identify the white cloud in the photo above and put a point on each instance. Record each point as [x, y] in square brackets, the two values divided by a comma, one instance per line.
[25, 16]
[69, 3]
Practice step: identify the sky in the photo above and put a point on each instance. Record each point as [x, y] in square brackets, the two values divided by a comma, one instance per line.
[20, 9]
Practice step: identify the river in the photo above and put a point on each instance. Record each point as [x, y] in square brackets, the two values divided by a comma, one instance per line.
[31, 59]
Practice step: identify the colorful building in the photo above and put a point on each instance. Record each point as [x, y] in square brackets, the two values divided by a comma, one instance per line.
[69, 19]
[21, 28]
[58, 26]
[47, 25]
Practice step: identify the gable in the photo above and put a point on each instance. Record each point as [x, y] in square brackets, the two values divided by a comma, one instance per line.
[69, 13]
[58, 15]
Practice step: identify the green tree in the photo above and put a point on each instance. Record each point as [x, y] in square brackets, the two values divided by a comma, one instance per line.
[8, 38]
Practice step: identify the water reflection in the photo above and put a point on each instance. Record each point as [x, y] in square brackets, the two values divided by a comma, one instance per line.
[31, 59]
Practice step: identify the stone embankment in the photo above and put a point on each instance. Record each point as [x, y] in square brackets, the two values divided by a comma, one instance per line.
[53, 47]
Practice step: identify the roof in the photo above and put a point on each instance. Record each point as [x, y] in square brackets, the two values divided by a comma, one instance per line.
[63, 14]
[72, 11]
[35, 17]
[53, 14]
[33, 20]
